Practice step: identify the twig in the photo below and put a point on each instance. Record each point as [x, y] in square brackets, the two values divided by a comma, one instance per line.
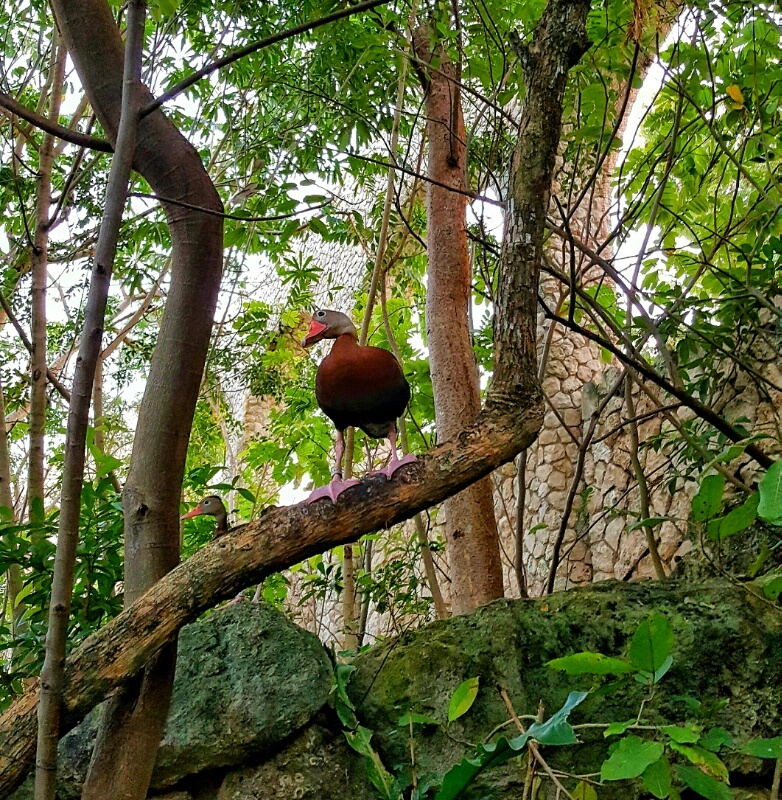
[254, 48]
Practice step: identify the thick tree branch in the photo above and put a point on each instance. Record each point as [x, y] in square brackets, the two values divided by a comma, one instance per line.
[254, 48]
[245, 556]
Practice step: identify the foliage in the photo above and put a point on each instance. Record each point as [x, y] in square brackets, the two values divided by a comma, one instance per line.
[664, 757]
[97, 594]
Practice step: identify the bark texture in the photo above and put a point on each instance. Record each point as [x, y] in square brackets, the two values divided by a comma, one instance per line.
[173, 169]
[470, 526]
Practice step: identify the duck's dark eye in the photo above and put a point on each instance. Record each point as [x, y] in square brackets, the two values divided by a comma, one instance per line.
[206, 503]
[321, 314]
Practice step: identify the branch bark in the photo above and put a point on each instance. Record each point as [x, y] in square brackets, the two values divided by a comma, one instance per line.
[53, 128]
[51, 685]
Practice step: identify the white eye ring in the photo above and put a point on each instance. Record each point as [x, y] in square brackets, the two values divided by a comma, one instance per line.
[321, 314]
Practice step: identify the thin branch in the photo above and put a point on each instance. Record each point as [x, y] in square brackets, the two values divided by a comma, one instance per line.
[222, 214]
[254, 48]
[50, 376]
[704, 412]
[54, 128]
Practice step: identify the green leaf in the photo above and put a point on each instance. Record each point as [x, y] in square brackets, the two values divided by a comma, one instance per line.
[770, 490]
[556, 729]
[702, 758]
[703, 784]
[740, 518]
[584, 791]
[651, 644]
[764, 748]
[716, 738]
[617, 728]
[708, 501]
[629, 758]
[657, 778]
[380, 777]
[591, 664]
[463, 698]
[342, 703]
[680, 734]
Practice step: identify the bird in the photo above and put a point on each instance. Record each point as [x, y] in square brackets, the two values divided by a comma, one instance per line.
[211, 506]
[356, 385]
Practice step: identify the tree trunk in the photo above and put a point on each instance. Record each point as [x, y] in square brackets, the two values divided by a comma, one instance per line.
[51, 684]
[39, 263]
[470, 526]
[14, 573]
[151, 497]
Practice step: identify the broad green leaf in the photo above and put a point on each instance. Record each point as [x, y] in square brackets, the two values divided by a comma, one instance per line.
[629, 758]
[680, 734]
[708, 501]
[764, 748]
[590, 664]
[740, 518]
[463, 698]
[618, 728]
[657, 778]
[584, 791]
[651, 644]
[703, 784]
[770, 491]
[702, 758]
[380, 777]
[556, 729]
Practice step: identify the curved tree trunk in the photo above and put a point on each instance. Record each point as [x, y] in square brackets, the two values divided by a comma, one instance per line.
[151, 497]
[470, 526]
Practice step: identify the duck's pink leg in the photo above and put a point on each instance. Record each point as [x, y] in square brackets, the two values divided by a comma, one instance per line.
[335, 488]
[395, 463]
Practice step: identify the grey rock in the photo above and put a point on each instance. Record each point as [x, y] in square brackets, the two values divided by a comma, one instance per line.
[247, 678]
[316, 765]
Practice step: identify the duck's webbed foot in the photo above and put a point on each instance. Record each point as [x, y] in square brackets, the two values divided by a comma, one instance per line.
[394, 464]
[332, 490]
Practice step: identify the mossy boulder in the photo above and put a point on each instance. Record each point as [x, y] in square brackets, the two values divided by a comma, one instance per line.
[727, 657]
[247, 678]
